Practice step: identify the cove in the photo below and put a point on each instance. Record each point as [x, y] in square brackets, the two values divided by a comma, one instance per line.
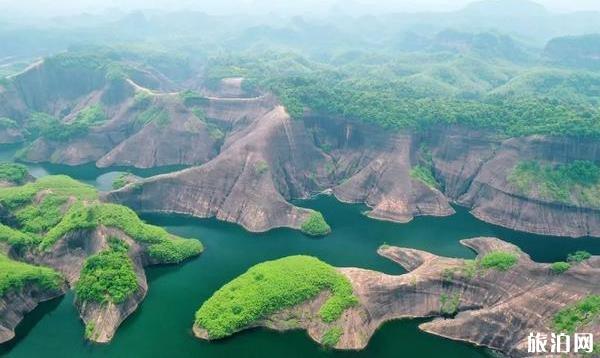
[162, 325]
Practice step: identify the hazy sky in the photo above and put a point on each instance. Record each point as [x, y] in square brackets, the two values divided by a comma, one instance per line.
[63, 7]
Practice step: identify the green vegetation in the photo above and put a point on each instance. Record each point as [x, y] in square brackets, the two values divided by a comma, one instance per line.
[142, 100]
[17, 238]
[449, 304]
[108, 276]
[315, 225]
[120, 181]
[570, 318]
[7, 123]
[214, 131]
[13, 173]
[15, 275]
[59, 185]
[90, 330]
[192, 98]
[499, 260]
[270, 287]
[424, 175]
[175, 250]
[332, 336]
[417, 91]
[39, 217]
[163, 246]
[50, 127]
[154, 114]
[64, 205]
[573, 183]
[423, 172]
[560, 267]
[578, 256]
[261, 167]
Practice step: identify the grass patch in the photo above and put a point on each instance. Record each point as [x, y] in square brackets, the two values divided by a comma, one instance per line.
[13, 173]
[44, 125]
[449, 304]
[59, 185]
[142, 100]
[499, 260]
[15, 275]
[192, 98]
[315, 225]
[261, 167]
[153, 114]
[90, 330]
[17, 238]
[175, 250]
[560, 267]
[272, 286]
[574, 183]
[424, 175]
[570, 318]
[108, 276]
[120, 181]
[38, 218]
[332, 336]
[214, 131]
[578, 256]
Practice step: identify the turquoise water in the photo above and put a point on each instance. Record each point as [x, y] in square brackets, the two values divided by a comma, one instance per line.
[162, 325]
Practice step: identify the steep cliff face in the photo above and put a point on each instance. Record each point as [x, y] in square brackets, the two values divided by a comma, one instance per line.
[262, 165]
[485, 306]
[494, 199]
[68, 256]
[16, 304]
[366, 165]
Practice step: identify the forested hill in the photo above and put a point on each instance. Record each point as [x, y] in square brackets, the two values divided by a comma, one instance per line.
[393, 70]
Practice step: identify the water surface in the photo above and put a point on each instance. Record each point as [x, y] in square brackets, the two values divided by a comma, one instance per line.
[162, 325]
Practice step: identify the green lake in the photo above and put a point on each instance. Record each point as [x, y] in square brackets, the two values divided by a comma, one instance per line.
[162, 325]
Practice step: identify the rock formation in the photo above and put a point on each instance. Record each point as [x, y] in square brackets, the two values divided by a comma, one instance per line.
[484, 306]
[14, 305]
[248, 158]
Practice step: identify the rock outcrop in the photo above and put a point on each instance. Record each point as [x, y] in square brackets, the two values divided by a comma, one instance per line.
[248, 158]
[361, 164]
[484, 306]
[14, 305]
[68, 256]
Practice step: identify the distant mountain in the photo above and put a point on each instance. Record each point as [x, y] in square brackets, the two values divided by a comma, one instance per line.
[505, 8]
[484, 44]
[575, 51]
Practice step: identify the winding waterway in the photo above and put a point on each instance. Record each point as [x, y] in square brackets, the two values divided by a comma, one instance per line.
[162, 325]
